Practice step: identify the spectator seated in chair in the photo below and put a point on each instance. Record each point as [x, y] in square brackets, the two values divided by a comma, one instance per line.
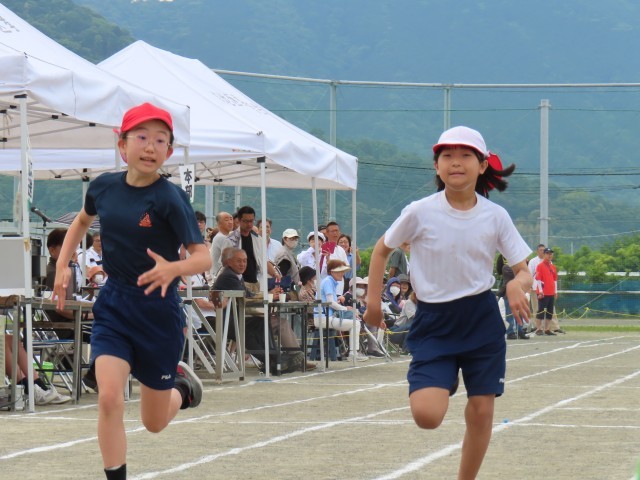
[234, 262]
[341, 317]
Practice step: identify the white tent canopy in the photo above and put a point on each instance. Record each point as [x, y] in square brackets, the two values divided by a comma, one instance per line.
[71, 103]
[229, 130]
[52, 99]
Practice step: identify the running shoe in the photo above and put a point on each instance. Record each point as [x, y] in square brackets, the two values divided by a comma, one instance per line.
[186, 376]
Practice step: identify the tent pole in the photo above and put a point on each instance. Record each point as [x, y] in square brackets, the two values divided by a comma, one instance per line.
[189, 299]
[314, 195]
[83, 267]
[354, 243]
[209, 212]
[26, 235]
[264, 282]
[237, 197]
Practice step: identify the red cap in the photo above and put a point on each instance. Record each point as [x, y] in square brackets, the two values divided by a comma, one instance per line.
[136, 115]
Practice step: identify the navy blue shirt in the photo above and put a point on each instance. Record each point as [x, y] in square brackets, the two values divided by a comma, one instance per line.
[132, 219]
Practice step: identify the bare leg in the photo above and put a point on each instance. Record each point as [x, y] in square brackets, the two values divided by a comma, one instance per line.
[158, 407]
[429, 406]
[23, 365]
[111, 374]
[479, 419]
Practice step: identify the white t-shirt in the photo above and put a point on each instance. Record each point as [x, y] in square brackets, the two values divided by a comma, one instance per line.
[452, 251]
[218, 244]
[93, 258]
[307, 258]
[273, 248]
[533, 265]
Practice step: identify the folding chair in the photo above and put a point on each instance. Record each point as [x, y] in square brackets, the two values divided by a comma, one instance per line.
[366, 336]
[48, 347]
[226, 362]
[322, 343]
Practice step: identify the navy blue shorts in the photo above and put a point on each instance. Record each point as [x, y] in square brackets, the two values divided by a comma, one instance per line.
[466, 334]
[144, 330]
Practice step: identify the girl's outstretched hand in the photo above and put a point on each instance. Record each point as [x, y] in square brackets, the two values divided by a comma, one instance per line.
[159, 276]
[518, 302]
[63, 277]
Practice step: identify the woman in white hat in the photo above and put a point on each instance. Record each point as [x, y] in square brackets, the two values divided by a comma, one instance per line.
[341, 318]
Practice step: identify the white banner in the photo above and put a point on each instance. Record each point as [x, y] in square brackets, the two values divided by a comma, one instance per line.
[188, 179]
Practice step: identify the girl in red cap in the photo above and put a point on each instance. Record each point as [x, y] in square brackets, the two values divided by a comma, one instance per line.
[138, 323]
[454, 235]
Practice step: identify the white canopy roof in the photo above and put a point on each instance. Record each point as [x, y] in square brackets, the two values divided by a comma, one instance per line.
[72, 104]
[229, 130]
[52, 99]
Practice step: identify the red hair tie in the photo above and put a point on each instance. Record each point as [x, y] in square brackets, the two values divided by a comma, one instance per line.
[496, 164]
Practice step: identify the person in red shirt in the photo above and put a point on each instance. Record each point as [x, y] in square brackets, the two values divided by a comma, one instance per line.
[546, 277]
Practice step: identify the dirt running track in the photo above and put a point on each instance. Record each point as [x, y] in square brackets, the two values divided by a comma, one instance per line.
[570, 411]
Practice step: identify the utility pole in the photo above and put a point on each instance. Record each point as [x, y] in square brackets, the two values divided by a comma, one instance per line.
[544, 171]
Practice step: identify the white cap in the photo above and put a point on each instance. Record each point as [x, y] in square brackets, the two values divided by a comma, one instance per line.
[463, 136]
[341, 268]
[290, 233]
[320, 236]
[362, 281]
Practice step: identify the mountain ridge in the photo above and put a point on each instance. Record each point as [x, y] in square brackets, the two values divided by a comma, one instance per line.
[385, 127]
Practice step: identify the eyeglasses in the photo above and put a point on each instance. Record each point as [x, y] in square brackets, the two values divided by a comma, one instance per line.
[142, 140]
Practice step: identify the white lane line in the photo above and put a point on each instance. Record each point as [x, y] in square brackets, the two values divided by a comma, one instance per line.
[296, 379]
[602, 409]
[416, 465]
[571, 365]
[424, 461]
[283, 404]
[58, 446]
[586, 343]
[560, 425]
[47, 448]
[265, 443]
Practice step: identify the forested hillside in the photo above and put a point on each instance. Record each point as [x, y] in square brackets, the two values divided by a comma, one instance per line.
[594, 174]
[78, 28]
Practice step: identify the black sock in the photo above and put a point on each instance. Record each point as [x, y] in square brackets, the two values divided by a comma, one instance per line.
[25, 385]
[119, 473]
[41, 384]
[38, 381]
[182, 385]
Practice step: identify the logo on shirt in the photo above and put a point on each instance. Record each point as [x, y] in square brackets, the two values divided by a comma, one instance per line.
[145, 221]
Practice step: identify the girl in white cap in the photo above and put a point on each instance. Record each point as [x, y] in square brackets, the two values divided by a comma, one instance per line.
[454, 235]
